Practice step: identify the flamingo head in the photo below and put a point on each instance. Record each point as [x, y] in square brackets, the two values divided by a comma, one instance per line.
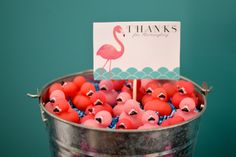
[87, 89]
[118, 29]
[151, 86]
[160, 94]
[150, 116]
[187, 105]
[106, 85]
[104, 118]
[129, 84]
[98, 98]
[185, 87]
[60, 106]
[131, 107]
[93, 110]
[124, 124]
[123, 97]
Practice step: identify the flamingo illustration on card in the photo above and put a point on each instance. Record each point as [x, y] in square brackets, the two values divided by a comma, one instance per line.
[109, 52]
[136, 50]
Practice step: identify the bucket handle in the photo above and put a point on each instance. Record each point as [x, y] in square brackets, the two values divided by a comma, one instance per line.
[41, 110]
[33, 95]
[37, 95]
[204, 89]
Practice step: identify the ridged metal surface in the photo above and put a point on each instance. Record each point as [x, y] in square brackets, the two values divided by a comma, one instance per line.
[74, 140]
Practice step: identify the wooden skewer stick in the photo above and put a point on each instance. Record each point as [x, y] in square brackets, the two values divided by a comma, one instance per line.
[135, 89]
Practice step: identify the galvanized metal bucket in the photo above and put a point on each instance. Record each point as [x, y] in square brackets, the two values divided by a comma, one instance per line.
[74, 140]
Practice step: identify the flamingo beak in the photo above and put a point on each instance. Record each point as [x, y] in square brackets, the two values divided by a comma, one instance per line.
[99, 119]
[98, 102]
[162, 96]
[90, 93]
[122, 32]
[57, 109]
[90, 110]
[151, 118]
[185, 109]
[129, 86]
[122, 126]
[52, 100]
[182, 90]
[119, 100]
[149, 91]
[133, 112]
[104, 88]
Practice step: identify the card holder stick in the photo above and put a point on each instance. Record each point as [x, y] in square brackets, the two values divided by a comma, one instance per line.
[135, 89]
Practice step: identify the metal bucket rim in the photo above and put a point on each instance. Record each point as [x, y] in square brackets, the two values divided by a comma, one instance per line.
[115, 130]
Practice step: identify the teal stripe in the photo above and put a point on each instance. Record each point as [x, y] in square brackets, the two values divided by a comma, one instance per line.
[133, 73]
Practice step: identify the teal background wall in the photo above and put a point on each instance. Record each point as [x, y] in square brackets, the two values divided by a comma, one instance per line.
[44, 39]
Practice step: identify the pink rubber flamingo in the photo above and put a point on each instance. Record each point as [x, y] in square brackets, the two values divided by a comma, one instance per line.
[108, 51]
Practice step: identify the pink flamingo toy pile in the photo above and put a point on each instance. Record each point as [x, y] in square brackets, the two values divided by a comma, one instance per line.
[160, 103]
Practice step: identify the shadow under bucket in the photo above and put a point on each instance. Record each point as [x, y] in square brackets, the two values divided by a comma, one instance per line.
[74, 140]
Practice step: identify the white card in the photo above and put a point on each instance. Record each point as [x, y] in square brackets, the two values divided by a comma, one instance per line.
[136, 50]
